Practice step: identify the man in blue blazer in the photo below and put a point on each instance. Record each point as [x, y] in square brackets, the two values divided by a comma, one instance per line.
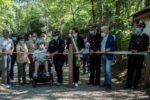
[108, 44]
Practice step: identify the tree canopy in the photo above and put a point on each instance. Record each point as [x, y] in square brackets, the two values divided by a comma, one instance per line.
[25, 16]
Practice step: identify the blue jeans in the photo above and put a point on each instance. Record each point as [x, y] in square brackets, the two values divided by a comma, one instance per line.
[107, 67]
[8, 68]
[0, 66]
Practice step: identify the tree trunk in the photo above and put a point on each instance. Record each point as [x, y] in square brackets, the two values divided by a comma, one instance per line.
[138, 5]
[93, 11]
[147, 3]
[127, 4]
[100, 8]
[73, 15]
[118, 7]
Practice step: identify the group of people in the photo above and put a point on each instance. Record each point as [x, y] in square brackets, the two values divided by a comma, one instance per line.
[92, 48]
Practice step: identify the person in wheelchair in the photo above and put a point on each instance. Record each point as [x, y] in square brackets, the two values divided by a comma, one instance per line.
[40, 59]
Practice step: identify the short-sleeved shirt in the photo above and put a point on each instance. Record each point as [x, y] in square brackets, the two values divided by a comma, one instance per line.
[7, 44]
[23, 57]
[31, 45]
[40, 55]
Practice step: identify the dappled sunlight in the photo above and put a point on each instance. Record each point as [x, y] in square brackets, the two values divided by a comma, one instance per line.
[64, 92]
[68, 92]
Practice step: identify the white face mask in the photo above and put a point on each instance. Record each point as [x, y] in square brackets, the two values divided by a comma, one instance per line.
[103, 34]
[75, 34]
[22, 41]
[41, 46]
[55, 37]
[92, 32]
[14, 38]
[85, 40]
[34, 38]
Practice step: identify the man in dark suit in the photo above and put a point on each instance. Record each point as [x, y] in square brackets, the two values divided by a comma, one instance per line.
[108, 44]
[94, 39]
[139, 42]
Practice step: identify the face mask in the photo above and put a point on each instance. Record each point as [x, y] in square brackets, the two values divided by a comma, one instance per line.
[92, 32]
[14, 38]
[75, 34]
[103, 34]
[138, 30]
[41, 46]
[43, 38]
[55, 37]
[6, 36]
[85, 40]
[30, 38]
[34, 38]
[22, 41]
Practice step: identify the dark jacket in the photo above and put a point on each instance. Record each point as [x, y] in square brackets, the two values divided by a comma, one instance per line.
[56, 46]
[139, 42]
[80, 43]
[94, 42]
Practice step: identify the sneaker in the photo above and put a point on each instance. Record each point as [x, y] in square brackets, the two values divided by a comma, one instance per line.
[35, 75]
[108, 87]
[103, 85]
[58, 84]
[90, 83]
[127, 87]
[47, 74]
[8, 86]
[76, 85]
[135, 87]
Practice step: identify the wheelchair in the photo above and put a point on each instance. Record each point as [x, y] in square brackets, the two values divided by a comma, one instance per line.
[41, 77]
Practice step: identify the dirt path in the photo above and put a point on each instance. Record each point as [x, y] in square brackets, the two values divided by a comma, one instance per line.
[66, 92]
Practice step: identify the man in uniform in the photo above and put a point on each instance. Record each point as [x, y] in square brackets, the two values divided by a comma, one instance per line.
[139, 43]
[57, 45]
[94, 39]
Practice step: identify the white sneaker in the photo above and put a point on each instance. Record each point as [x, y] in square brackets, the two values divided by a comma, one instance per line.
[8, 86]
[35, 75]
[47, 74]
[76, 85]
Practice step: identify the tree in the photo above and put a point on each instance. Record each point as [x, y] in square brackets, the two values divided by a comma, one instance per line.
[147, 3]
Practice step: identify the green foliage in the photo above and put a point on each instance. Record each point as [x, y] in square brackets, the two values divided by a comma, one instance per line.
[25, 16]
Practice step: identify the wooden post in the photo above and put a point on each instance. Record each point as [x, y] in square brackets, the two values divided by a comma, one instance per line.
[4, 66]
[70, 62]
[147, 73]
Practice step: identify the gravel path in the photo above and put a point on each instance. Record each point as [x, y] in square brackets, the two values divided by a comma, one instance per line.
[67, 92]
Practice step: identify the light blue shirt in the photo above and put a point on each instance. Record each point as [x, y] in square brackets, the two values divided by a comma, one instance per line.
[103, 43]
[87, 48]
[40, 55]
[6, 44]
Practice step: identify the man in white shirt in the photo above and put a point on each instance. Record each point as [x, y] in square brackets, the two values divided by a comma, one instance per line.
[108, 44]
[8, 48]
